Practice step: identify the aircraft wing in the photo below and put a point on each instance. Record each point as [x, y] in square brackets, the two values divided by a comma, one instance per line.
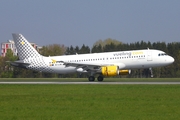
[91, 66]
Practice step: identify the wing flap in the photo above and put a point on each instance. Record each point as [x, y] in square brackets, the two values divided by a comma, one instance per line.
[80, 65]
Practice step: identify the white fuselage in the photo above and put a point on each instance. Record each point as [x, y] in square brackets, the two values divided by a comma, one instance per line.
[123, 59]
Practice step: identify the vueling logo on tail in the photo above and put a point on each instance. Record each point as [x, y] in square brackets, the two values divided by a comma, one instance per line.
[24, 48]
[22, 43]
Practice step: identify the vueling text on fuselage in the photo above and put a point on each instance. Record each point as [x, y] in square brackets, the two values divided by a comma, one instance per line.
[128, 53]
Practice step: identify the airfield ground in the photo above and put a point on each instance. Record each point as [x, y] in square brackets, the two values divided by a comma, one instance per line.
[89, 101]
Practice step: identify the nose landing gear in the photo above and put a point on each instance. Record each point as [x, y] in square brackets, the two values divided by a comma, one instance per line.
[151, 72]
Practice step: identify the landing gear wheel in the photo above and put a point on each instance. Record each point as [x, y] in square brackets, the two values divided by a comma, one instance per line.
[100, 78]
[91, 78]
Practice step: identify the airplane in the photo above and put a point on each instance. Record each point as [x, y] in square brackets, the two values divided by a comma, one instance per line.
[104, 64]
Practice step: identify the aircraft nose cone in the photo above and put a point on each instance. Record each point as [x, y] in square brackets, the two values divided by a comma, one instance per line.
[171, 59]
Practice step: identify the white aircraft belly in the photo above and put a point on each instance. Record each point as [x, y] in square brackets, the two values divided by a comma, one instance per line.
[63, 69]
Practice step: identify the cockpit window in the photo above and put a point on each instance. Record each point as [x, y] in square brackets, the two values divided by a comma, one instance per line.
[162, 54]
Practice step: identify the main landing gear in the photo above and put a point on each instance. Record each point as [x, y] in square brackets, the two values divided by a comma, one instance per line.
[99, 78]
[91, 78]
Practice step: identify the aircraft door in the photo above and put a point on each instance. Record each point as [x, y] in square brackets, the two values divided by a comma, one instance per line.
[149, 55]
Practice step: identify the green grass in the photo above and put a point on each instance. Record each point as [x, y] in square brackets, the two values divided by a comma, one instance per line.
[89, 102]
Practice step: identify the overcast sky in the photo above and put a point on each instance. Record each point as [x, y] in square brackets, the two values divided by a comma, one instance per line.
[78, 22]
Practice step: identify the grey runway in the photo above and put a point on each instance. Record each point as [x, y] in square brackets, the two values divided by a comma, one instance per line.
[101, 83]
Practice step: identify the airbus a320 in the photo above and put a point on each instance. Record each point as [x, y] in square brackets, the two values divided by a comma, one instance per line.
[104, 64]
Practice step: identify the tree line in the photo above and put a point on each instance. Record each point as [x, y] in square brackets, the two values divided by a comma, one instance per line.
[108, 45]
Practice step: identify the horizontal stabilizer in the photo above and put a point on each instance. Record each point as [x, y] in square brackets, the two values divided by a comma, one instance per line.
[20, 63]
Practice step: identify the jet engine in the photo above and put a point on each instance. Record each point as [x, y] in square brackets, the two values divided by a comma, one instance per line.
[124, 72]
[113, 71]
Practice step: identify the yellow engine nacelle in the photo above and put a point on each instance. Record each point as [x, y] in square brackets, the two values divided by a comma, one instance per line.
[113, 71]
[110, 71]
